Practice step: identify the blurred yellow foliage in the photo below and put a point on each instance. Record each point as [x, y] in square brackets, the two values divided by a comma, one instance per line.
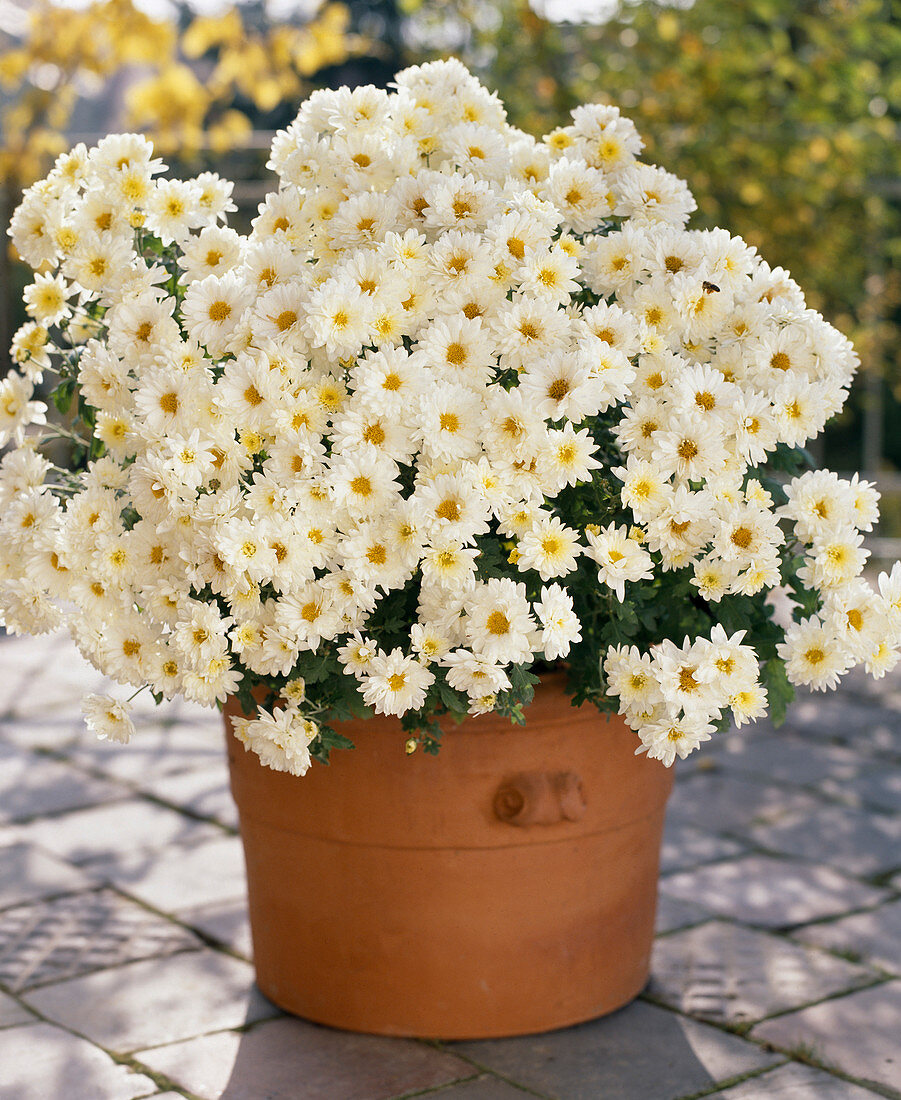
[184, 107]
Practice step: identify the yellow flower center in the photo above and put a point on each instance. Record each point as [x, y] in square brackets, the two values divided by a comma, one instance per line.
[497, 623]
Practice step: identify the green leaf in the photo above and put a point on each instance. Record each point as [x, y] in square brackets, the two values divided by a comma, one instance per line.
[63, 394]
[779, 691]
[327, 740]
[455, 701]
[244, 695]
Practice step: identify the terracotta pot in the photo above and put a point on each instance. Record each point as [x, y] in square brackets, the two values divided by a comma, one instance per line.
[504, 887]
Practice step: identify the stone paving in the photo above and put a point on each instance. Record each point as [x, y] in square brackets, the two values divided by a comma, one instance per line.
[125, 954]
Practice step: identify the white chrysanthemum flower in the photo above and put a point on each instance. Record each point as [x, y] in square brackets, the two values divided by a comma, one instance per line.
[818, 502]
[613, 262]
[685, 677]
[449, 564]
[567, 458]
[173, 209]
[549, 273]
[97, 263]
[363, 481]
[25, 609]
[890, 593]
[643, 487]
[713, 577]
[563, 387]
[619, 558]
[530, 329]
[107, 718]
[338, 318]
[281, 739]
[214, 196]
[449, 421]
[884, 657]
[499, 624]
[17, 410]
[46, 299]
[733, 665]
[748, 704]
[671, 737]
[31, 350]
[396, 683]
[813, 655]
[474, 673]
[451, 507]
[549, 547]
[630, 676]
[214, 251]
[429, 642]
[212, 308]
[560, 625]
[650, 195]
[581, 193]
[357, 654]
[689, 448]
[834, 560]
[858, 617]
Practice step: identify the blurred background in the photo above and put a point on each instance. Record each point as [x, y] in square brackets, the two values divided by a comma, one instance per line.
[781, 114]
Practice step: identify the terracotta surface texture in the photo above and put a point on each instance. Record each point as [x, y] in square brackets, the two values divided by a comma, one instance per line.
[505, 887]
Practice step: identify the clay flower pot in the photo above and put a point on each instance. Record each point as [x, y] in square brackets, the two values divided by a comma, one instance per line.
[504, 887]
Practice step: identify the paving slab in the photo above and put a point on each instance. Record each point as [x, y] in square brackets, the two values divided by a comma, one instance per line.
[60, 693]
[673, 913]
[115, 831]
[51, 732]
[720, 802]
[874, 937]
[875, 785]
[641, 1051]
[41, 1062]
[13, 1013]
[49, 941]
[868, 729]
[31, 785]
[157, 749]
[686, 845]
[787, 758]
[770, 892]
[226, 921]
[857, 1034]
[155, 1001]
[205, 792]
[179, 879]
[795, 1082]
[271, 1059]
[859, 842]
[27, 873]
[730, 974]
[483, 1088]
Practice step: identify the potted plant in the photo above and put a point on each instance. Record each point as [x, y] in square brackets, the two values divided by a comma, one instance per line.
[469, 428]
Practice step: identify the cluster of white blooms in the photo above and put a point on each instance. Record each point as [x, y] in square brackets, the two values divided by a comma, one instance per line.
[408, 356]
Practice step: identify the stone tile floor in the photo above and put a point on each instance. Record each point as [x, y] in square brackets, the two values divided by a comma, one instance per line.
[124, 948]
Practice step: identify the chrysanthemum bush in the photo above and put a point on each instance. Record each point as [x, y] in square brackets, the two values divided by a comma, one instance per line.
[463, 406]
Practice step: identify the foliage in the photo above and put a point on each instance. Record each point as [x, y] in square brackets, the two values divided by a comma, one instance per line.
[184, 87]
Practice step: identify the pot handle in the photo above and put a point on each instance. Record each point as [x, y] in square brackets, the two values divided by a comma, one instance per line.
[540, 798]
